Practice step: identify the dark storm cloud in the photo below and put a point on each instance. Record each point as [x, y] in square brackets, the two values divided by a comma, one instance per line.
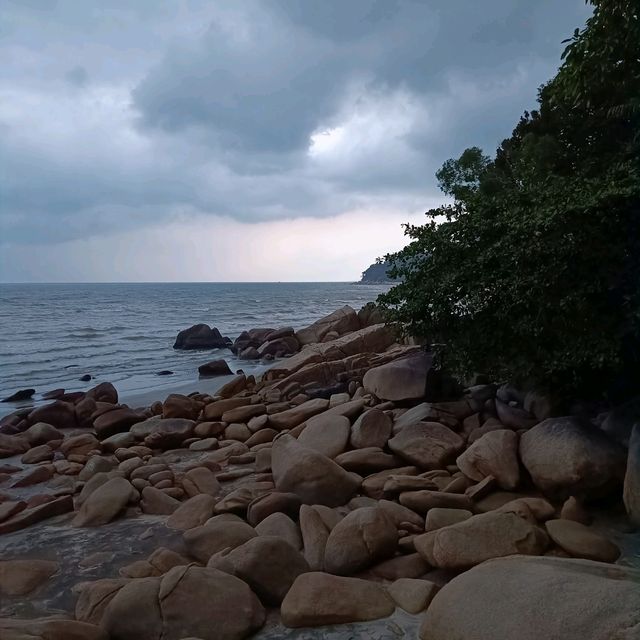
[120, 115]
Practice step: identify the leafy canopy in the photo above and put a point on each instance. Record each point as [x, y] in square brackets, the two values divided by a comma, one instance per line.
[532, 273]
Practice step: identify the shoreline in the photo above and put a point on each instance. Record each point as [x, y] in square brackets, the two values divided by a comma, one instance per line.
[347, 485]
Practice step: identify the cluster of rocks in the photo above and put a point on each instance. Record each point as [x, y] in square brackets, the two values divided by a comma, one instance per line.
[269, 343]
[345, 483]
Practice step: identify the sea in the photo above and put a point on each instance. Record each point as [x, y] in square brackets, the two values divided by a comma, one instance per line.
[51, 335]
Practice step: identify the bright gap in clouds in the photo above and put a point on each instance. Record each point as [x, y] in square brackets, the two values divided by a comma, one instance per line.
[213, 249]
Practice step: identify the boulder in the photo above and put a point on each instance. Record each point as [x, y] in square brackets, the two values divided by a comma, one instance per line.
[37, 454]
[423, 501]
[157, 502]
[341, 321]
[514, 417]
[239, 383]
[24, 518]
[282, 526]
[314, 537]
[371, 429]
[104, 503]
[631, 493]
[219, 533]
[313, 477]
[581, 542]
[214, 368]
[103, 392]
[20, 577]
[326, 434]
[566, 456]
[428, 445]
[60, 414]
[18, 396]
[185, 602]
[494, 454]
[269, 565]
[177, 405]
[115, 421]
[403, 379]
[480, 538]
[41, 433]
[439, 517]
[53, 628]
[297, 415]
[80, 445]
[273, 502]
[201, 336]
[317, 599]
[360, 539]
[12, 445]
[367, 460]
[168, 433]
[412, 595]
[580, 600]
[284, 345]
[192, 513]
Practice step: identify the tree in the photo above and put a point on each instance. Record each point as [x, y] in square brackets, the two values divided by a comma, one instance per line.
[533, 272]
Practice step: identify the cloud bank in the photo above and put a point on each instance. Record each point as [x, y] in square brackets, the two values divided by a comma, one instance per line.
[281, 123]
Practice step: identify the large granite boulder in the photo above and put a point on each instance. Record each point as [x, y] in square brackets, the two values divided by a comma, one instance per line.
[53, 628]
[58, 413]
[185, 602]
[403, 379]
[536, 598]
[104, 503]
[428, 445]
[341, 321]
[20, 577]
[480, 538]
[269, 565]
[214, 368]
[317, 599]
[327, 434]
[201, 336]
[566, 456]
[116, 421]
[314, 478]
[218, 533]
[494, 454]
[631, 492]
[360, 539]
[371, 429]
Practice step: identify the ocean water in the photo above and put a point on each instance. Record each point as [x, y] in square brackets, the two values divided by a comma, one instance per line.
[52, 334]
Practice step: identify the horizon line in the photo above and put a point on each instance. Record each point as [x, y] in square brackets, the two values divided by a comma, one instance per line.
[189, 282]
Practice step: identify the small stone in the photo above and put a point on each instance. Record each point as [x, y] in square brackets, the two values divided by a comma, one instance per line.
[412, 595]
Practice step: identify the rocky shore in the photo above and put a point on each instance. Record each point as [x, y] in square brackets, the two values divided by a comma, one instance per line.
[352, 490]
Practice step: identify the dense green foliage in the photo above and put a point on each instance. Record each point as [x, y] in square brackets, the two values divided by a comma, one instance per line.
[532, 273]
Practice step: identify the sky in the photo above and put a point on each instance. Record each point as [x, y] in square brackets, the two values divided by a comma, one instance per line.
[247, 140]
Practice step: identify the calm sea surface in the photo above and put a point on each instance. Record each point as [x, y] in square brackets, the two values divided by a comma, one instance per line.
[52, 334]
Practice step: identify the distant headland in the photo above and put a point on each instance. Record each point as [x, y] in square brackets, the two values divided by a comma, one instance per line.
[377, 273]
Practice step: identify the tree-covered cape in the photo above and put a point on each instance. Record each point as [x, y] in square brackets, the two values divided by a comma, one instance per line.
[533, 273]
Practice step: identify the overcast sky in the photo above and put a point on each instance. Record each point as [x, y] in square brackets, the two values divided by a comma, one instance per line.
[150, 140]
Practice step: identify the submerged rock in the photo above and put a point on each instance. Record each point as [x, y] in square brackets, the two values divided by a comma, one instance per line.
[23, 394]
[201, 336]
